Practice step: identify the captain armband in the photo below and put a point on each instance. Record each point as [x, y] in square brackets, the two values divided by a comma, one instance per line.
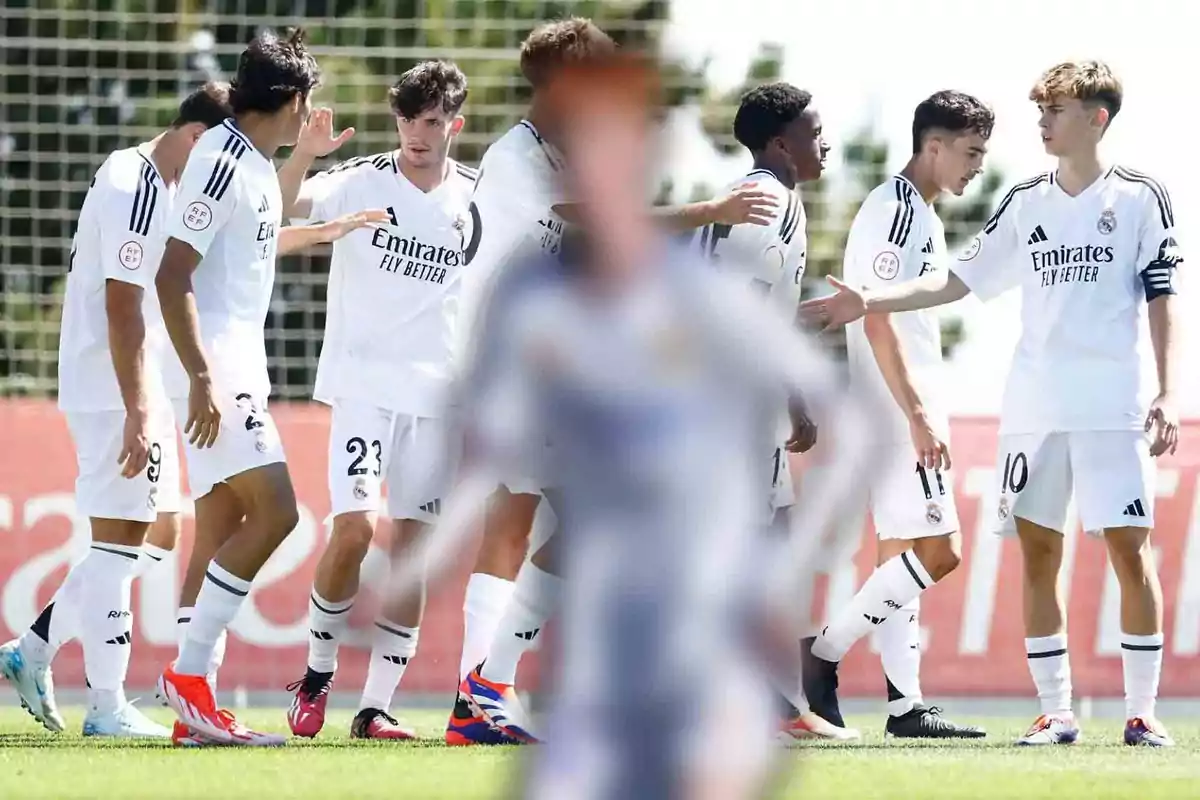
[1158, 278]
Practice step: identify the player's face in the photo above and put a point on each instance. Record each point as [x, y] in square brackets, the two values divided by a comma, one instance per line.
[1067, 125]
[805, 145]
[299, 110]
[959, 159]
[425, 139]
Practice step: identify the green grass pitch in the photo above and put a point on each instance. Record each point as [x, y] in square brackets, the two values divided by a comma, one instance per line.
[36, 764]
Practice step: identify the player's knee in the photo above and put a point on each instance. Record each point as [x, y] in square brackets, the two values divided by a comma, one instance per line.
[939, 555]
[352, 535]
[1132, 556]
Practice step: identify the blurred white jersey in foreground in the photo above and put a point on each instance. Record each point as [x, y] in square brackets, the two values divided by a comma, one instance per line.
[652, 395]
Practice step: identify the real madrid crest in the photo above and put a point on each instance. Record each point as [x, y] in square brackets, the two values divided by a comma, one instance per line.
[1107, 222]
[1002, 511]
[460, 222]
[360, 489]
[933, 513]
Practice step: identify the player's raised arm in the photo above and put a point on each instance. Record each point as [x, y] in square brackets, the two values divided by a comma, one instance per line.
[317, 140]
[294, 238]
[1159, 250]
[204, 204]
[744, 204]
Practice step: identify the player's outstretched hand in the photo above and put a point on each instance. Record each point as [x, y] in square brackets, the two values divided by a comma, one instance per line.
[835, 310]
[204, 418]
[932, 452]
[336, 229]
[316, 135]
[745, 204]
[1163, 420]
[135, 445]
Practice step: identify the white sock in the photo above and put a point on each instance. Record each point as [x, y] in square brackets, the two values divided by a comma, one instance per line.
[150, 557]
[182, 621]
[892, 585]
[106, 622]
[326, 624]
[393, 647]
[486, 599]
[1051, 670]
[898, 640]
[534, 599]
[57, 624]
[1141, 657]
[220, 598]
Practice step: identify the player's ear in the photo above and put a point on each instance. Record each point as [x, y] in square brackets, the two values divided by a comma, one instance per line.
[457, 125]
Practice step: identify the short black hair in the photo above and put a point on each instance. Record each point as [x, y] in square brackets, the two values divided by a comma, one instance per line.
[209, 104]
[765, 111]
[273, 70]
[952, 111]
[436, 84]
[566, 41]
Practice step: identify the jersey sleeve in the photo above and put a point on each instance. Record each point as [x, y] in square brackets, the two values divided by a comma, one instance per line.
[327, 190]
[504, 206]
[991, 263]
[1159, 254]
[125, 208]
[206, 197]
[879, 248]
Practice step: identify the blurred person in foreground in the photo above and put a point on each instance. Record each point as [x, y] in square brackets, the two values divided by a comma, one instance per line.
[651, 373]
[520, 205]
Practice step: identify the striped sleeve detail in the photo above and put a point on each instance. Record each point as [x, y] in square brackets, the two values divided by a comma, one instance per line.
[1165, 210]
[905, 213]
[144, 200]
[791, 219]
[222, 171]
[383, 162]
[466, 172]
[1008, 198]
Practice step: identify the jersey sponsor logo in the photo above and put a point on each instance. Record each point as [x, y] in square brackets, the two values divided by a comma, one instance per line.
[130, 256]
[886, 265]
[197, 216]
[971, 250]
[1107, 222]
[1069, 264]
[413, 258]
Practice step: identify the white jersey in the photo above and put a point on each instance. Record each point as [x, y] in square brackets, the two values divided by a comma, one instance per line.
[228, 209]
[1084, 265]
[511, 212]
[393, 289]
[119, 237]
[772, 257]
[895, 237]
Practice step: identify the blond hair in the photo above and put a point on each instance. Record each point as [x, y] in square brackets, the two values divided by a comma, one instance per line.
[1086, 81]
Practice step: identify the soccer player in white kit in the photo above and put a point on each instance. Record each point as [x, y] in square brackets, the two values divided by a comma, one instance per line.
[897, 236]
[111, 390]
[781, 128]
[215, 284]
[384, 369]
[519, 207]
[1093, 249]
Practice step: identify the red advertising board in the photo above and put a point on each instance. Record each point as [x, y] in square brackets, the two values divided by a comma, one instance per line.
[972, 630]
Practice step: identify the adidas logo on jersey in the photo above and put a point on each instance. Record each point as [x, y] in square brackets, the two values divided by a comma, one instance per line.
[928, 248]
[1038, 236]
[264, 206]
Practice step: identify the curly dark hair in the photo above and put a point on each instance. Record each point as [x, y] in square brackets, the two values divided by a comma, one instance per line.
[432, 84]
[952, 111]
[561, 42]
[271, 71]
[208, 104]
[765, 111]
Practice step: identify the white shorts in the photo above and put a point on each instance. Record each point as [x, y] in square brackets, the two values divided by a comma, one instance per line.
[100, 489]
[248, 439]
[783, 493]
[909, 501]
[1111, 475]
[371, 446]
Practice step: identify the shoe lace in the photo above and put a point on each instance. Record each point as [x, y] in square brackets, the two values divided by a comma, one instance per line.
[313, 687]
